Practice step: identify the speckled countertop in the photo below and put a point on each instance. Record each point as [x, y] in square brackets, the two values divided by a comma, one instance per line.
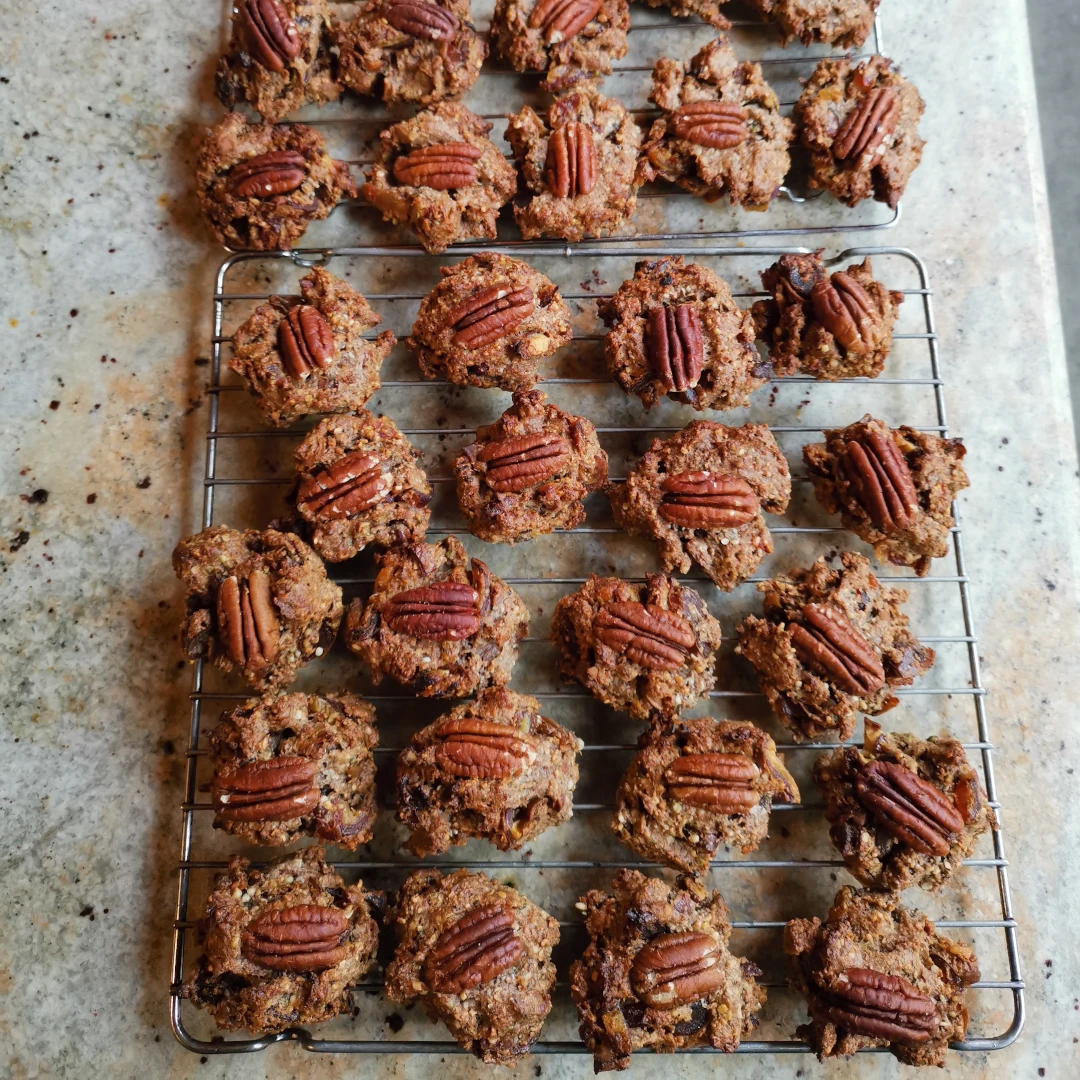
[105, 317]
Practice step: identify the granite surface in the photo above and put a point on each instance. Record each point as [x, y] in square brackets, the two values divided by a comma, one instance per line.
[106, 322]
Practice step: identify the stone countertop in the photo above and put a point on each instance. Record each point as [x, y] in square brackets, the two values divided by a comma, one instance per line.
[105, 322]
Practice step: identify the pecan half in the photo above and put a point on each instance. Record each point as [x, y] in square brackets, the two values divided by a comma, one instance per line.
[845, 309]
[305, 341]
[866, 127]
[674, 345]
[570, 169]
[908, 807]
[881, 481]
[828, 642]
[489, 315]
[560, 20]
[707, 500]
[515, 464]
[445, 166]
[866, 1002]
[302, 938]
[271, 34]
[275, 789]
[477, 948]
[445, 611]
[351, 485]
[718, 125]
[472, 747]
[275, 173]
[247, 622]
[676, 969]
[648, 635]
[422, 20]
[720, 782]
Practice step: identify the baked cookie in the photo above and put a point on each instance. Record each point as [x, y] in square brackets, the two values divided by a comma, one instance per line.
[419, 51]
[569, 40]
[437, 622]
[477, 955]
[700, 495]
[877, 974]
[528, 473]
[721, 132]
[861, 126]
[646, 649]
[657, 972]
[311, 356]
[835, 326]
[493, 768]
[674, 329]
[844, 23]
[903, 811]
[579, 168]
[360, 482]
[833, 643]
[706, 10]
[488, 323]
[259, 186]
[257, 601]
[892, 488]
[283, 944]
[291, 765]
[278, 59]
[695, 785]
[439, 174]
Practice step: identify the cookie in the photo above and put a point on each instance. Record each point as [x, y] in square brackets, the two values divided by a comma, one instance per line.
[843, 23]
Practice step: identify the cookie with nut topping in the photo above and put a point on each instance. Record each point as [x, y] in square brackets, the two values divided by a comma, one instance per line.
[844, 23]
[258, 602]
[310, 356]
[284, 945]
[477, 955]
[701, 494]
[832, 644]
[489, 322]
[658, 973]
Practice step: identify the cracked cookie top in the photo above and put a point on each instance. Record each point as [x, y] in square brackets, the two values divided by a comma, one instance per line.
[844, 23]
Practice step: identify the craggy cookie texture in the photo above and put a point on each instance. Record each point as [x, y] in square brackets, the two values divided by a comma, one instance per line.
[284, 944]
[492, 768]
[419, 51]
[721, 132]
[695, 785]
[477, 954]
[706, 10]
[700, 495]
[861, 126]
[311, 356]
[437, 622]
[876, 974]
[488, 323]
[294, 764]
[903, 811]
[892, 488]
[360, 482]
[845, 23]
[258, 601]
[528, 473]
[278, 59]
[657, 972]
[568, 39]
[260, 185]
[833, 643]
[439, 174]
[579, 167]
[646, 649]
[674, 329]
[835, 326]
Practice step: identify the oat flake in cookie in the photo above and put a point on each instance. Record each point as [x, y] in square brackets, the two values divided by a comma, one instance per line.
[477, 955]
[700, 495]
[877, 974]
[833, 643]
[892, 488]
[257, 601]
[579, 167]
[861, 126]
[488, 323]
[295, 764]
[441, 176]
[844, 23]
[528, 473]
[657, 972]
[259, 186]
[284, 945]
[492, 768]
[674, 329]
